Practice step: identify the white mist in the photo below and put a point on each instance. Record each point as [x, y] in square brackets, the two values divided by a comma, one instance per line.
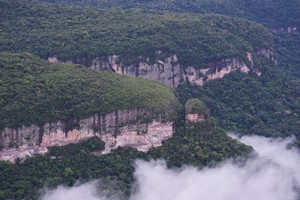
[274, 174]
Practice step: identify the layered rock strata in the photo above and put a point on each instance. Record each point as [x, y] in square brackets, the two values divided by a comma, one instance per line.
[137, 128]
[170, 72]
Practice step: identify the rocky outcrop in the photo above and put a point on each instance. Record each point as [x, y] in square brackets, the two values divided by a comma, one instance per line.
[267, 53]
[198, 76]
[197, 117]
[194, 118]
[137, 128]
[167, 71]
[289, 30]
[195, 111]
[130, 137]
[171, 72]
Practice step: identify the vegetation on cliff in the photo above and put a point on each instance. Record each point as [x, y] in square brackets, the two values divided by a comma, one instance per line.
[82, 34]
[268, 105]
[277, 15]
[33, 91]
[195, 106]
[68, 164]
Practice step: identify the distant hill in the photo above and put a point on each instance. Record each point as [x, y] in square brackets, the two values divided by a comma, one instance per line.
[272, 13]
[73, 33]
[282, 17]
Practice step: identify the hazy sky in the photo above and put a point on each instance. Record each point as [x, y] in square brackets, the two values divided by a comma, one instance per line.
[273, 175]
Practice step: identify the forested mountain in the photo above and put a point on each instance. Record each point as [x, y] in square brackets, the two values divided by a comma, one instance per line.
[39, 92]
[280, 16]
[268, 105]
[34, 91]
[82, 34]
[74, 33]
[272, 13]
[262, 101]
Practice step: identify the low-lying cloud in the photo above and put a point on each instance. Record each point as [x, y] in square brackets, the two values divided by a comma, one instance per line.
[274, 174]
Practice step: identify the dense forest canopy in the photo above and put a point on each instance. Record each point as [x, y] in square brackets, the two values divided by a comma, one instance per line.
[272, 13]
[75, 33]
[33, 91]
[280, 16]
[268, 105]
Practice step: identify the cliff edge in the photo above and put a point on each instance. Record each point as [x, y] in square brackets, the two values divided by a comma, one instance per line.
[45, 104]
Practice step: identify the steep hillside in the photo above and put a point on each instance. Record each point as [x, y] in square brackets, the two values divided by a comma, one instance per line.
[280, 16]
[268, 105]
[288, 49]
[33, 91]
[200, 147]
[82, 34]
[234, 100]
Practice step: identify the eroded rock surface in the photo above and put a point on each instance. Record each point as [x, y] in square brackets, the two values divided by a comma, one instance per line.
[137, 128]
[171, 72]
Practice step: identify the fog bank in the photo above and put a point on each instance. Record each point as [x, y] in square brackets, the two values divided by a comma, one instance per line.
[274, 174]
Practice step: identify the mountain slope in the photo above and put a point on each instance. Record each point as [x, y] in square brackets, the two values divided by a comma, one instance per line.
[267, 105]
[81, 34]
[280, 16]
[273, 13]
[33, 91]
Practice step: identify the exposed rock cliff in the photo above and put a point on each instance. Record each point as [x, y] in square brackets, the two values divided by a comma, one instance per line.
[137, 128]
[167, 71]
[289, 30]
[171, 72]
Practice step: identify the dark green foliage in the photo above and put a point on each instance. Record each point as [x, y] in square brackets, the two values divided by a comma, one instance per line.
[90, 145]
[82, 34]
[199, 148]
[277, 15]
[79, 162]
[196, 106]
[273, 13]
[33, 91]
[268, 105]
[288, 49]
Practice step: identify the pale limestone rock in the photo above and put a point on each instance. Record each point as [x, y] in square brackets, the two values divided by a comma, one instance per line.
[60, 138]
[171, 73]
[216, 70]
[267, 53]
[123, 124]
[157, 132]
[53, 59]
[195, 118]
[250, 58]
[168, 71]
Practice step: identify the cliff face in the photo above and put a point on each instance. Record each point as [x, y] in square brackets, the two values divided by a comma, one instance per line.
[198, 76]
[167, 71]
[137, 128]
[170, 72]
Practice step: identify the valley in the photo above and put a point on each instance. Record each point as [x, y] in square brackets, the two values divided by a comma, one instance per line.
[95, 90]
